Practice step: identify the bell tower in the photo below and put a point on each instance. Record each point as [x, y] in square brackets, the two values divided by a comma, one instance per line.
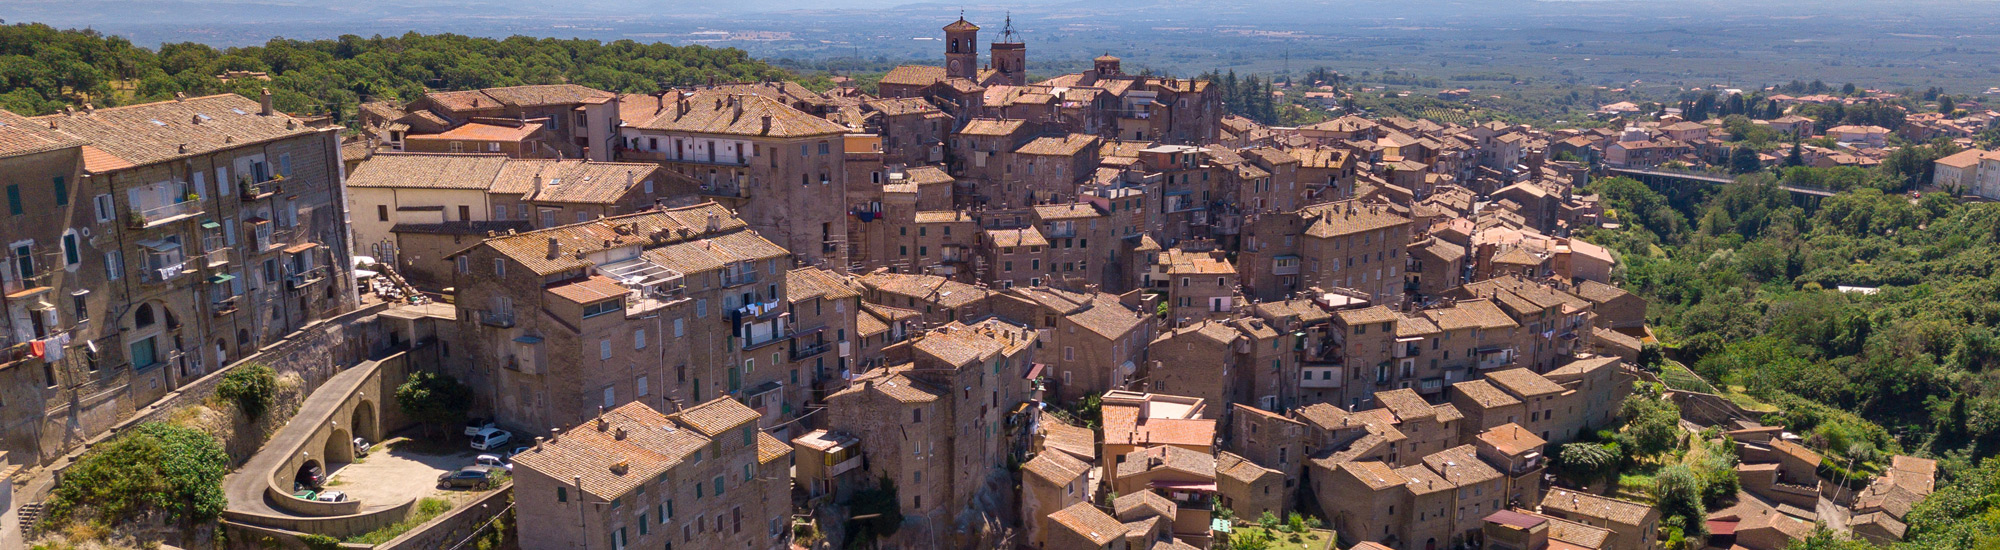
[961, 49]
[1010, 57]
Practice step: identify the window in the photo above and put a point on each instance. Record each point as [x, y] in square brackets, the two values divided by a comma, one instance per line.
[114, 265]
[62, 191]
[644, 390]
[718, 485]
[14, 200]
[610, 399]
[464, 264]
[562, 494]
[916, 415]
[464, 213]
[104, 208]
[71, 256]
[680, 328]
[499, 267]
[604, 349]
[382, 212]
[639, 339]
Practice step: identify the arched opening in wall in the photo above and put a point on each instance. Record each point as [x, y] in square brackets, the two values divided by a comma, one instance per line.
[364, 423]
[310, 476]
[221, 352]
[1431, 544]
[339, 449]
[142, 317]
[243, 341]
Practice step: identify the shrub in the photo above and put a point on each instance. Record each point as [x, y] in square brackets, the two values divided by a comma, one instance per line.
[434, 399]
[154, 468]
[251, 387]
[316, 541]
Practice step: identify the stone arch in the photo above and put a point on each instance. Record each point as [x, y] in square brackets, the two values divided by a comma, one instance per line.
[365, 423]
[309, 475]
[339, 446]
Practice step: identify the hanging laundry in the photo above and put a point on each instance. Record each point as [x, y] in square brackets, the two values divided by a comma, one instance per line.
[36, 347]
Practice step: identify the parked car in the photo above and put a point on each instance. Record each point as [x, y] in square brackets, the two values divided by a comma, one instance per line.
[476, 425]
[331, 496]
[494, 461]
[517, 451]
[491, 439]
[475, 476]
[361, 447]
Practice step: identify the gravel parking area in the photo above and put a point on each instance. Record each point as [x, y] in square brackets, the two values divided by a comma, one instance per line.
[388, 477]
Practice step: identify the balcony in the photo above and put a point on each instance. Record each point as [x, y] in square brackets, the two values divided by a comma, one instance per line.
[164, 273]
[757, 310]
[1430, 385]
[224, 307]
[739, 278]
[306, 278]
[844, 466]
[248, 189]
[159, 215]
[804, 350]
[216, 258]
[502, 319]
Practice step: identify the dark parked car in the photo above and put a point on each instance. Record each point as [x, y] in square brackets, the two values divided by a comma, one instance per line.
[475, 476]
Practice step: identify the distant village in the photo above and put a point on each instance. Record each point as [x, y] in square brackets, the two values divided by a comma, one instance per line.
[970, 310]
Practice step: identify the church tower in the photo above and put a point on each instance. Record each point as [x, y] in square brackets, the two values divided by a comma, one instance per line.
[961, 49]
[1010, 57]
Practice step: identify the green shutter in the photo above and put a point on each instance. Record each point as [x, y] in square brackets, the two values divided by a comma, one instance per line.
[62, 191]
[14, 199]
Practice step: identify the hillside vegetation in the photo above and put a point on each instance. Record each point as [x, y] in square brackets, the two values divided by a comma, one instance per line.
[43, 69]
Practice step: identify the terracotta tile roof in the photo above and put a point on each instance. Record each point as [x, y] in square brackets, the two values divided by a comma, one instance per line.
[991, 127]
[1026, 236]
[1181, 262]
[1592, 506]
[1599, 292]
[1108, 318]
[531, 248]
[1077, 441]
[770, 448]
[1580, 535]
[1142, 504]
[1067, 145]
[479, 131]
[1168, 457]
[913, 75]
[942, 216]
[958, 345]
[1365, 316]
[1796, 451]
[593, 289]
[148, 133]
[21, 136]
[867, 324]
[1088, 522]
[1511, 439]
[718, 113]
[1351, 217]
[1235, 467]
[1405, 404]
[926, 288]
[926, 175]
[524, 96]
[576, 181]
[1326, 417]
[1460, 466]
[900, 106]
[1583, 367]
[1304, 309]
[904, 389]
[1470, 314]
[1056, 468]
[1882, 521]
[716, 252]
[812, 282]
[1374, 474]
[1522, 382]
[1070, 211]
[1408, 326]
[716, 417]
[611, 465]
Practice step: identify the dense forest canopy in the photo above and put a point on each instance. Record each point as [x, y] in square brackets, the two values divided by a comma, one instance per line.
[1745, 281]
[43, 69]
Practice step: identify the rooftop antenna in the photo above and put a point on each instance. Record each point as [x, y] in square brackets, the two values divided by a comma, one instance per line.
[1007, 32]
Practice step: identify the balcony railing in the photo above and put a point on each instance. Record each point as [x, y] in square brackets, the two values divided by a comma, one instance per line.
[502, 319]
[223, 307]
[739, 278]
[150, 217]
[252, 190]
[803, 350]
[166, 273]
[216, 258]
[306, 278]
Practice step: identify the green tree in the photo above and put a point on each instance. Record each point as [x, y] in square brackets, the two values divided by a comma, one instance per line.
[1652, 422]
[433, 399]
[1743, 160]
[152, 468]
[251, 387]
[1677, 491]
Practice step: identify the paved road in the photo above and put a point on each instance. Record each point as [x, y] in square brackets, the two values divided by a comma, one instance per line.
[245, 487]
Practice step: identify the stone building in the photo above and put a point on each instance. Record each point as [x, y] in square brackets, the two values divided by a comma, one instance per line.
[152, 244]
[703, 477]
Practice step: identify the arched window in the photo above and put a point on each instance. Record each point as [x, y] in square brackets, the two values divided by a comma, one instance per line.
[143, 317]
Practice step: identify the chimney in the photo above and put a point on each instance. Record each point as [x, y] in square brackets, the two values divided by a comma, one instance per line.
[618, 434]
[538, 443]
[536, 187]
[89, 108]
[180, 96]
[265, 99]
[553, 432]
[602, 425]
[555, 250]
[767, 125]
